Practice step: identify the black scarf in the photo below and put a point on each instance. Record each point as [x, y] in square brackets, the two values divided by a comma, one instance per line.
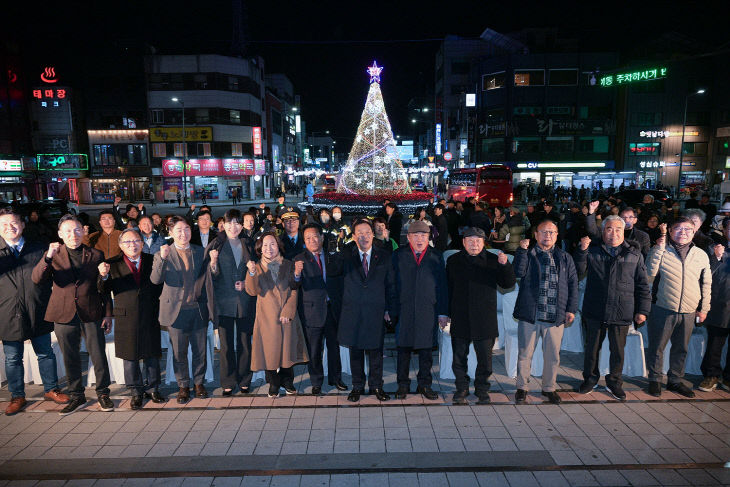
[682, 250]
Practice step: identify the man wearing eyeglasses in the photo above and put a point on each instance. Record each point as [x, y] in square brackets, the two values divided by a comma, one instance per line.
[136, 307]
[547, 300]
[683, 296]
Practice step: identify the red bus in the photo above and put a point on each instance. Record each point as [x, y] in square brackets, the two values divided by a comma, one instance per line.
[491, 183]
[329, 183]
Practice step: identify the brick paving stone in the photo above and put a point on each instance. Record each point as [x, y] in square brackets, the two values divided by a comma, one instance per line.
[462, 479]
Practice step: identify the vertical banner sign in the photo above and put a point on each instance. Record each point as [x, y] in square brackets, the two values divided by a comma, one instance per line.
[438, 139]
[257, 141]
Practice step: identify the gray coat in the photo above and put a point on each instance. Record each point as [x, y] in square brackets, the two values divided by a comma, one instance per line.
[169, 272]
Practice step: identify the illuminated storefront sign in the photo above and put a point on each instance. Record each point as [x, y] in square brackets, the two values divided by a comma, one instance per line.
[11, 165]
[644, 148]
[192, 134]
[660, 134]
[651, 164]
[256, 136]
[214, 167]
[557, 165]
[62, 162]
[633, 77]
[438, 139]
[49, 75]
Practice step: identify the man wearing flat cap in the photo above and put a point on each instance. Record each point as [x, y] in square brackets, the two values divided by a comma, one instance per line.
[473, 275]
[422, 292]
[291, 238]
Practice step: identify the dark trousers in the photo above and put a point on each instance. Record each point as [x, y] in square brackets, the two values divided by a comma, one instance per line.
[711, 362]
[664, 325]
[69, 339]
[315, 337]
[284, 377]
[188, 330]
[357, 366]
[595, 334]
[142, 379]
[235, 362]
[460, 366]
[425, 362]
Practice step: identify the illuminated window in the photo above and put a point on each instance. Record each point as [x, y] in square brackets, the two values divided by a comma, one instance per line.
[159, 150]
[557, 145]
[695, 148]
[530, 77]
[179, 149]
[522, 145]
[235, 116]
[493, 146]
[236, 149]
[202, 115]
[493, 81]
[204, 149]
[158, 116]
[597, 144]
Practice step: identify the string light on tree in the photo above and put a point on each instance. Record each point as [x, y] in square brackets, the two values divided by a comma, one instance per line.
[373, 166]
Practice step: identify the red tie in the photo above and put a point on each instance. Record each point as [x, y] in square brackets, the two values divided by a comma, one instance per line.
[319, 262]
[365, 264]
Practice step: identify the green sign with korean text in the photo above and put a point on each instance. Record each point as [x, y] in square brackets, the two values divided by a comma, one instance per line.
[630, 77]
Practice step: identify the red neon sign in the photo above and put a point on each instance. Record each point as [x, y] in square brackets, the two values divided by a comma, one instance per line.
[52, 93]
[49, 75]
[257, 141]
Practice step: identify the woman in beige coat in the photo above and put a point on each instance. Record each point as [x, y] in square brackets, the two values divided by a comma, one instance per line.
[278, 341]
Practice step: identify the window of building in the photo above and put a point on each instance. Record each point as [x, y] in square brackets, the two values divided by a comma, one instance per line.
[525, 145]
[235, 116]
[597, 144]
[695, 148]
[563, 77]
[200, 81]
[559, 110]
[158, 116]
[526, 111]
[233, 83]
[698, 118]
[493, 146]
[493, 81]
[589, 78]
[202, 115]
[647, 119]
[120, 154]
[594, 113]
[236, 149]
[459, 89]
[460, 67]
[179, 149]
[204, 149]
[276, 122]
[159, 150]
[557, 145]
[530, 77]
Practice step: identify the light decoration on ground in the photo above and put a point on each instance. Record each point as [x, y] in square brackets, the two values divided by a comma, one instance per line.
[373, 167]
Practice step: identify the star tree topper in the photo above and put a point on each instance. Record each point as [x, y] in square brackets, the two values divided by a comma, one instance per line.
[374, 72]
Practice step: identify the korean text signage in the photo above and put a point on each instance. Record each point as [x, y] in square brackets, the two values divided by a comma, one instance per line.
[256, 135]
[170, 134]
[633, 77]
[213, 167]
[438, 139]
[10, 165]
[660, 134]
[62, 162]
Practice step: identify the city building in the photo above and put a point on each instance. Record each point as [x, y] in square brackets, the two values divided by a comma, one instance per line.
[281, 128]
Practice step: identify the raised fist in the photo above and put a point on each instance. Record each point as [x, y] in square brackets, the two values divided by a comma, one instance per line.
[192, 207]
[525, 243]
[661, 242]
[298, 267]
[502, 258]
[584, 243]
[140, 206]
[53, 249]
[251, 266]
[663, 228]
[164, 251]
[262, 205]
[719, 250]
[593, 206]
[103, 269]
[213, 254]
[117, 200]
[86, 229]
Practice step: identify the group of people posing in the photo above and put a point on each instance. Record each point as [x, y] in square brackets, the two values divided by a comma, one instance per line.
[280, 291]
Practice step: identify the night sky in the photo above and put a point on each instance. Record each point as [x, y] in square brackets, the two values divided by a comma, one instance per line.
[325, 46]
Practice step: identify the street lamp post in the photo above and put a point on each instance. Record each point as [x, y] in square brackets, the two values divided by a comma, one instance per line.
[185, 153]
[681, 145]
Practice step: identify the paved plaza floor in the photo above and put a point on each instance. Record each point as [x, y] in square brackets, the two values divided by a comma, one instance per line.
[305, 440]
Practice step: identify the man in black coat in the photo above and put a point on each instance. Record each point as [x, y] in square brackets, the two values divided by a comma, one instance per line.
[204, 233]
[440, 223]
[135, 309]
[619, 293]
[473, 276]
[394, 219]
[422, 303]
[318, 276]
[292, 237]
[369, 295]
[631, 233]
[22, 307]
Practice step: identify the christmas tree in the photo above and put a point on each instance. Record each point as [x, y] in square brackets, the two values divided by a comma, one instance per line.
[373, 166]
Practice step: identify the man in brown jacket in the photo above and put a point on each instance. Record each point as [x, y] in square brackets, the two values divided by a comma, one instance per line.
[106, 239]
[77, 309]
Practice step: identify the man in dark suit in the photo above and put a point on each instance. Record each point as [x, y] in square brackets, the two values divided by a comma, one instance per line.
[22, 306]
[369, 293]
[182, 269]
[77, 308]
[136, 307]
[204, 233]
[291, 238]
[394, 220]
[318, 276]
[423, 301]
[441, 224]
[631, 233]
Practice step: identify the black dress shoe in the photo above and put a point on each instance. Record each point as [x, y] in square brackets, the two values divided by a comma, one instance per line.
[354, 395]
[655, 389]
[136, 402]
[380, 394]
[227, 392]
[459, 398]
[552, 396]
[105, 403]
[155, 397]
[316, 390]
[427, 392]
[402, 392]
[520, 396]
[681, 389]
[482, 398]
[339, 385]
[183, 395]
[76, 403]
[245, 390]
[289, 389]
[200, 391]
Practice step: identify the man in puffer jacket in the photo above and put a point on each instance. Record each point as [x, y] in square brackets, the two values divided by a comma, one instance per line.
[685, 283]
